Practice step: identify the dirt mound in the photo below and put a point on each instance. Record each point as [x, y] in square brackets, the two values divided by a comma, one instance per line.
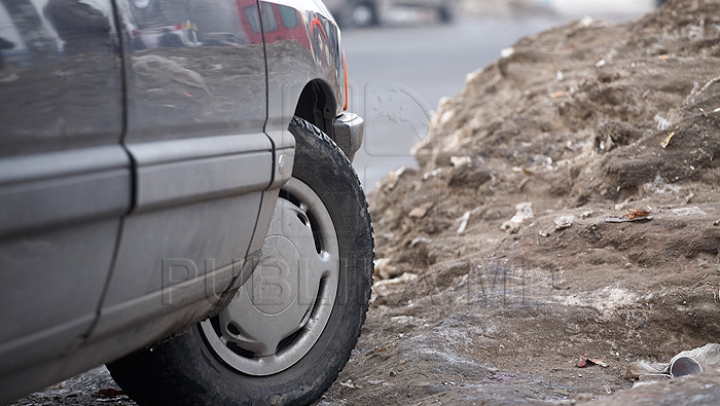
[566, 204]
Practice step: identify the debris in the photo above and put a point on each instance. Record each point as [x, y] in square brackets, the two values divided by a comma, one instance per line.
[586, 21]
[418, 212]
[419, 240]
[559, 76]
[507, 52]
[707, 356]
[585, 362]
[393, 177]
[377, 351]
[460, 161]
[503, 377]
[564, 222]
[383, 269]
[689, 211]
[557, 95]
[523, 183]
[463, 222]
[664, 57]
[428, 175]
[348, 384]
[586, 214]
[693, 94]
[633, 215]
[637, 213]
[600, 63]
[404, 278]
[523, 211]
[688, 198]
[662, 123]
[626, 219]
[667, 139]
[682, 366]
[637, 369]
[717, 223]
[421, 211]
[110, 392]
[690, 362]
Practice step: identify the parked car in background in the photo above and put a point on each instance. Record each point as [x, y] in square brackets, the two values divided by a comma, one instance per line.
[177, 199]
[375, 12]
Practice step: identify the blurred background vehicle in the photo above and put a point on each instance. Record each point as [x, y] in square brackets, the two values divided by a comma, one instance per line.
[377, 12]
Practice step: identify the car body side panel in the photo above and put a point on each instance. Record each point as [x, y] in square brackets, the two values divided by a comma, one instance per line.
[65, 180]
[196, 110]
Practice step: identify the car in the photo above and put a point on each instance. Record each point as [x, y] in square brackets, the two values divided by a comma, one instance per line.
[374, 12]
[177, 199]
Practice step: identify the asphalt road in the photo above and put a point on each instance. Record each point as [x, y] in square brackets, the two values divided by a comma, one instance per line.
[399, 74]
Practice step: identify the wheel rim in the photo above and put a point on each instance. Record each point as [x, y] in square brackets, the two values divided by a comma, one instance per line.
[280, 313]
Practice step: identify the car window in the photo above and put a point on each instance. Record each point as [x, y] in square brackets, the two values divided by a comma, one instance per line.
[289, 16]
[253, 18]
[268, 18]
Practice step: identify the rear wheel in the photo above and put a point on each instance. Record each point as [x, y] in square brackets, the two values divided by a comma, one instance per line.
[291, 327]
[446, 13]
[366, 14]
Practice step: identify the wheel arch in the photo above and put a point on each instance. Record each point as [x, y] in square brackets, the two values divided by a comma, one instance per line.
[317, 104]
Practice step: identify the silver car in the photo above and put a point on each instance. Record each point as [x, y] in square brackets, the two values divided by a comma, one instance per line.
[179, 207]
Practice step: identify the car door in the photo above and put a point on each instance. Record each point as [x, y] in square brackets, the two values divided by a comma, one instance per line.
[197, 105]
[65, 180]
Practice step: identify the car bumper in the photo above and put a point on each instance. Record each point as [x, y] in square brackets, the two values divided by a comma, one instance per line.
[348, 131]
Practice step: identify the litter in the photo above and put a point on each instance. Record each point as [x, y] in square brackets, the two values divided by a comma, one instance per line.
[627, 219]
[383, 269]
[463, 222]
[460, 161]
[690, 362]
[523, 211]
[564, 222]
[662, 123]
[586, 21]
[667, 139]
[633, 215]
[586, 362]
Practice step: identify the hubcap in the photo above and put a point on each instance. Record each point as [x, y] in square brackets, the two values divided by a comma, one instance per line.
[279, 314]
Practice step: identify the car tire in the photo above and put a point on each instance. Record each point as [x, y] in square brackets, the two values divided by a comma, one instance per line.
[190, 369]
[446, 14]
[366, 14]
